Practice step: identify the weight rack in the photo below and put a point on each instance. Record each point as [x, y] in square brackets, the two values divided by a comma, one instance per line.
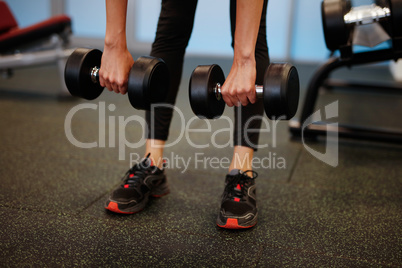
[348, 58]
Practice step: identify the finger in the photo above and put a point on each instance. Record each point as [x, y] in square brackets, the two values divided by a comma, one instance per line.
[225, 96]
[236, 102]
[252, 97]
[108, 85]
[231, 100]
[227, 100]
[234, 98]
[106, 82]
[123, 86]
[123, 89]
[243, 99]
[102, 80]
[115, 88]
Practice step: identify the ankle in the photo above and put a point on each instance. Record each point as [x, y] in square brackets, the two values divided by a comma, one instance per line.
[243, 170]
[155, 149]
[157, 161]
[242, 159]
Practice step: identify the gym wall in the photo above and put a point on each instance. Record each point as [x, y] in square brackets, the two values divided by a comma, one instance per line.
[294, 26]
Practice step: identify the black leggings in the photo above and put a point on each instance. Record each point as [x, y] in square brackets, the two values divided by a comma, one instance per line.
[173, 33]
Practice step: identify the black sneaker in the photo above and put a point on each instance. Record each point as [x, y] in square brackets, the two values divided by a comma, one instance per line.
[239, 205]
[141, 181]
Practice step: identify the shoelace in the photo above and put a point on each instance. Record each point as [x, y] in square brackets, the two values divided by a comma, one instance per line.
[237, 186]
[135, 175]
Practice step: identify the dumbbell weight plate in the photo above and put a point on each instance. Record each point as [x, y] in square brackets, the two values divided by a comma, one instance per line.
[281, 91]
[77, 73]
[336, 32]
[148, 82]
[203, 100]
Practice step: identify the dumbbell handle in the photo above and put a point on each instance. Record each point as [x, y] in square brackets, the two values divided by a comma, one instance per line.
[366, 14]
[259, 91]
[95, 75]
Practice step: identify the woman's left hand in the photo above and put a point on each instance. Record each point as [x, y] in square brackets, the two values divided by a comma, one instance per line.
[239, 87]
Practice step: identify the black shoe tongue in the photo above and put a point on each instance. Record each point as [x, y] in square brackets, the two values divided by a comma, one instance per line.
[147, 162]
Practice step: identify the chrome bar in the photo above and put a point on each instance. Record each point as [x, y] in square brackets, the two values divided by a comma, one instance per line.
[366, 14]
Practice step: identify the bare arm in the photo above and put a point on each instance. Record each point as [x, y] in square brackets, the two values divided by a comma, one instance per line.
[239, 86]
[116, 59]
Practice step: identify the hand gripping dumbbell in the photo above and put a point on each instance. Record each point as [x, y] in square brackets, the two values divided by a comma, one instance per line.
[280, 92]
[148, 79]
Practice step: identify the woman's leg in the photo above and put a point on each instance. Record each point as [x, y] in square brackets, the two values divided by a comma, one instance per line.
[173, 33]
[249, 117]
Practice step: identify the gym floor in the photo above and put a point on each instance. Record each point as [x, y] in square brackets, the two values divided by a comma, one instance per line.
[310, 214]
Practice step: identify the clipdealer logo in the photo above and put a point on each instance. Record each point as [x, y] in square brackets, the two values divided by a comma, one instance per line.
[200, 160]
[107, 135]
[331, 155]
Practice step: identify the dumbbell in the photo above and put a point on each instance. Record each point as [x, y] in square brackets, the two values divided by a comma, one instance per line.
[280, 91]
[148, 79]
[336, 32]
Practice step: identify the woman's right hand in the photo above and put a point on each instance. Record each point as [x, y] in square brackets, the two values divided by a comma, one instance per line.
[115, 68]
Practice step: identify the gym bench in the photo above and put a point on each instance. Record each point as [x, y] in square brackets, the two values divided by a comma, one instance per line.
[42, 43]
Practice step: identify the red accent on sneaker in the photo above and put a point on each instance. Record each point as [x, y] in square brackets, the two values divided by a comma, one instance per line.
[238, 187]
[114, 207]
[233, 224]
[236, 199]
[160, 195]
[131, 175]
[126, 185]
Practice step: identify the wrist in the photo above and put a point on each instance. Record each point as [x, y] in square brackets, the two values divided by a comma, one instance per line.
[116, 41]
[244, 59]
[244, 55]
